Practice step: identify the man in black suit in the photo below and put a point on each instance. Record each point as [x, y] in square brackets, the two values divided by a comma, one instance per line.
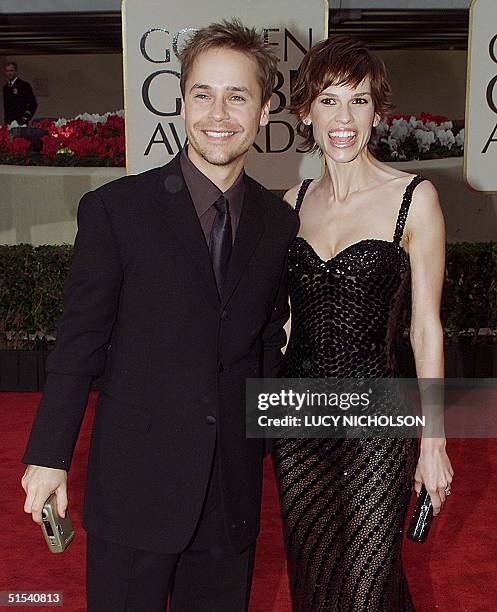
[176, 294]
[19, 102]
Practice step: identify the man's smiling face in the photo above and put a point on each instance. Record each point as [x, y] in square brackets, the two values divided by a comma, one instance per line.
[222, 106]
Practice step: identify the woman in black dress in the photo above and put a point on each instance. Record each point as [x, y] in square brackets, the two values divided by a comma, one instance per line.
[366, 228]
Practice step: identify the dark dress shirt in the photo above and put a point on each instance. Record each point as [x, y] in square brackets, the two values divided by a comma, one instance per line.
[204, 193]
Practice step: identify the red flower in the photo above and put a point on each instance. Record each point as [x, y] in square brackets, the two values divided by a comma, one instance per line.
[424, 117]
[88, 142]
[50, 147]
[45, 124]
[4, 137]
[19, 147]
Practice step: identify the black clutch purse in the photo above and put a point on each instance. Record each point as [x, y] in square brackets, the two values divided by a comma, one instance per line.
[421, 519]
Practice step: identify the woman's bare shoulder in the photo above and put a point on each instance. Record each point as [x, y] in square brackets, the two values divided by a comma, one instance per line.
[425, 202]
[291, 195]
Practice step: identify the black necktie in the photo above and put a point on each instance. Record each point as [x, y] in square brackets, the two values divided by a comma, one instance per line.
[221, 241]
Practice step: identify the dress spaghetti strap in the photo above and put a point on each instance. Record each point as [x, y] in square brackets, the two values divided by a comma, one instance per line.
[404, 208]
[301, 193]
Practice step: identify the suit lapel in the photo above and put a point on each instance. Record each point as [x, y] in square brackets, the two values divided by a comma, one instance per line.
[250, 230]
[178, 212]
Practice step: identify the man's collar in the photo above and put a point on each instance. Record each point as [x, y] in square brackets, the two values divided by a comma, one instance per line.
[204, 192]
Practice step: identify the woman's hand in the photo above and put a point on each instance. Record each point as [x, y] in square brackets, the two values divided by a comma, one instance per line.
[434, 470]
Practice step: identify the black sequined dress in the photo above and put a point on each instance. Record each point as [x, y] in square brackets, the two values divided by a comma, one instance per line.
[344, 501]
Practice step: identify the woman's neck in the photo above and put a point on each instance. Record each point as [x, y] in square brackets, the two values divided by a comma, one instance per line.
[341, 180]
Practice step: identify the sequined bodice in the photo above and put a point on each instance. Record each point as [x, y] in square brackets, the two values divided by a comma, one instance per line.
[344, 310]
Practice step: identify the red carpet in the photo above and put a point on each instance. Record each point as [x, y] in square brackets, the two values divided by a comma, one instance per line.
[454, 572]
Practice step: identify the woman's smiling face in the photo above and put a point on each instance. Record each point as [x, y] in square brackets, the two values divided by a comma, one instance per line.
[342, 118]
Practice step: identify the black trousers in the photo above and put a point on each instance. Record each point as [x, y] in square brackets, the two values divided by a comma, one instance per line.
[208, 576]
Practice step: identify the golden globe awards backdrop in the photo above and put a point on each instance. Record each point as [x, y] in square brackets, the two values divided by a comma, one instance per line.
[480, 157]
[154, 30]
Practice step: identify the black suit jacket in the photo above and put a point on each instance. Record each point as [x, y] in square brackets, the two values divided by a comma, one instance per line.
[141, 307]
[19, 102]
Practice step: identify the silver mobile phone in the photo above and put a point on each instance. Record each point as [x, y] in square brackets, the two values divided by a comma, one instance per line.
[58, 532]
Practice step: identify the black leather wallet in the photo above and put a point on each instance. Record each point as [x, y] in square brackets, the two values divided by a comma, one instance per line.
[421, 519]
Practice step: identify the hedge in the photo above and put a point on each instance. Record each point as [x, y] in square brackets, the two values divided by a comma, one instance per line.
[31, 284]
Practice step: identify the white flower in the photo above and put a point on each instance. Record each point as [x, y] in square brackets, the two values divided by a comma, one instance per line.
[400, 129]
[382, 129]
[460, 138]
[424, 139]
[400, 132]
[96, 118]
[391, 142]
[446, 138]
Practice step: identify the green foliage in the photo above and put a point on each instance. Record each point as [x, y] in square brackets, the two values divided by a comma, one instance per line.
[469, 298]
[49, 270]
[470, 293]
[31, 283]
[31, 280]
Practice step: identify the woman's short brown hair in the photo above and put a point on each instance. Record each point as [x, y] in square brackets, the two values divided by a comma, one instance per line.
[339, 60]
[232, 35]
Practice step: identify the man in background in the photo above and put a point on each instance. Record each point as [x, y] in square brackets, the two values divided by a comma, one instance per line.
[19, 101]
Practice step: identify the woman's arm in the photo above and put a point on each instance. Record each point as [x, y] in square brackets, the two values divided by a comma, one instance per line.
[426, 243]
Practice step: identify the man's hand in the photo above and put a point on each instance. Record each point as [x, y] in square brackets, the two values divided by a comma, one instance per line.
[39, 483]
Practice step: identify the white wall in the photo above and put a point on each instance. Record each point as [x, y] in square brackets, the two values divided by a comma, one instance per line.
[38, 205]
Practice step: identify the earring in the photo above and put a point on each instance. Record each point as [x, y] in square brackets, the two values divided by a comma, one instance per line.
[307, 121]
